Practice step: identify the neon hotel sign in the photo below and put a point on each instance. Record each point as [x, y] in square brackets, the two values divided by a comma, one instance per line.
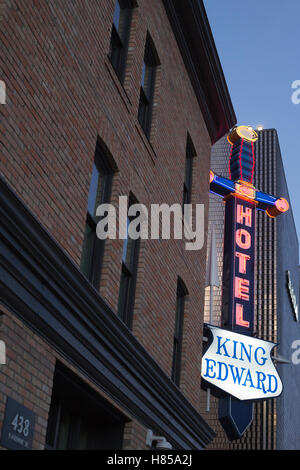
[239, 290]
[242, 200]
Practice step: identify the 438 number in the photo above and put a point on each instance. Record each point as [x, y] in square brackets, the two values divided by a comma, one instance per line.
[21, 425]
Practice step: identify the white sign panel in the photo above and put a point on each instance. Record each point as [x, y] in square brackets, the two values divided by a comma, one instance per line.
[241, 365]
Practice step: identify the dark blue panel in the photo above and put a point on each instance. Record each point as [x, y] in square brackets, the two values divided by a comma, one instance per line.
[18, 426]
[235, 416]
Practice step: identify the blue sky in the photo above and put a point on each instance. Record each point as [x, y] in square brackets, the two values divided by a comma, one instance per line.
[259, 47]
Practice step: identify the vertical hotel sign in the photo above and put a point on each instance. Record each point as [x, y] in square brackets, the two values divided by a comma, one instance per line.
[235, 362]
[239, 265]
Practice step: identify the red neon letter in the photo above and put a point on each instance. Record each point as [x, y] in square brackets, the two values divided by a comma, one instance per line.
[246, 243]
[241, 288]
[242, 262]
[241, 215]
[239, 316]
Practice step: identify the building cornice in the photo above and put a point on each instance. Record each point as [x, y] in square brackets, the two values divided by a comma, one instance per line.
[196, 43]
[43, 287]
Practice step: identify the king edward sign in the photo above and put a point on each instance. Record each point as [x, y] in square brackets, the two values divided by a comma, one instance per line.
[237, 366]
[241, 365]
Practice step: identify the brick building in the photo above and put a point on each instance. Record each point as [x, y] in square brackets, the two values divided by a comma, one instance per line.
[103, 338]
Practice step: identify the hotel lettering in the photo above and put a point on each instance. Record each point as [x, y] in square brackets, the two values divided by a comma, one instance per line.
[239, 266]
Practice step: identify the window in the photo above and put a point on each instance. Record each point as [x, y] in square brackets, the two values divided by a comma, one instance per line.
[188, 177]
[181, 293]
[80, 419]
[128, 276]
[100, 191]
[120, 36]
[147, 87]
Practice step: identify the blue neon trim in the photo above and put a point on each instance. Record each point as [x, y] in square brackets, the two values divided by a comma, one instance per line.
[270, 200]
[221, 183]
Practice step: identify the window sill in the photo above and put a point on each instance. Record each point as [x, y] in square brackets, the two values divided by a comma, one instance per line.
[120, 88]
[146, 142]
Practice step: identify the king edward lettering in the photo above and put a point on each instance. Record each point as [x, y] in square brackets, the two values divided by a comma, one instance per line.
[241, 365]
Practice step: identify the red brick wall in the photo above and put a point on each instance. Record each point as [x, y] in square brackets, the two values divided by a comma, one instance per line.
[62, 92]
[27, 377]
[28, 373]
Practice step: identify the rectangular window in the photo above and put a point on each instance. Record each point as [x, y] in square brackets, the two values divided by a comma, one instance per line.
[100, 191]
[188, 177]
[79, 419]
[147, 87]
[120, 36]
[178, 333]
[128, 276]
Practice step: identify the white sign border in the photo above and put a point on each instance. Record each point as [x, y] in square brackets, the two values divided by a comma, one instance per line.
[223, 392]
